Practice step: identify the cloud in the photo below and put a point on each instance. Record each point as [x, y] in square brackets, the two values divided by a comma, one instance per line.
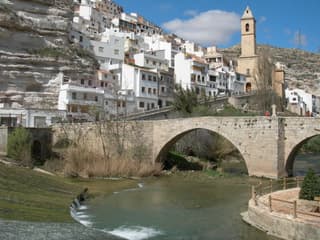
[207, 28]
[191, 13]
[299, 39]
[262, 19]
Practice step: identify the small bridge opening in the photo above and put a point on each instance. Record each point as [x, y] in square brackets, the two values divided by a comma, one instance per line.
[202, 149]
[304, 156]
[36, 153]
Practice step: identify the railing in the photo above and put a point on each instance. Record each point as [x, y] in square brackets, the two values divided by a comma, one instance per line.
[261, 194]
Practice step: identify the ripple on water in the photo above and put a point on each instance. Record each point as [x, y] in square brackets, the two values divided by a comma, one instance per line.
[135, 232]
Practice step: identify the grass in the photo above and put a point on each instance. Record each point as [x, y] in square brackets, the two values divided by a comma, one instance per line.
[27, 195]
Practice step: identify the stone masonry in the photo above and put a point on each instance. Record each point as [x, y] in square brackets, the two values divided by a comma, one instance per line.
[268, 144]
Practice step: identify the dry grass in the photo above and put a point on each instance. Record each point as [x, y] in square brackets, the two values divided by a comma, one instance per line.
[110, 149]
[84, 162]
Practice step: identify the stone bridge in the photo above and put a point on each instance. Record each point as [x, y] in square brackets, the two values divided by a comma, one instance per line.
[268, 144]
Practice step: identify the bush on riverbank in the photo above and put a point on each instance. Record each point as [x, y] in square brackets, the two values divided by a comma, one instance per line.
[178, 161]
[19, 146]
[310, 187]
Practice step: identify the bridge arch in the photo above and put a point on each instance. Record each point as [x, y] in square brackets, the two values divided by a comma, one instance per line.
[289, 163]
[172, 137]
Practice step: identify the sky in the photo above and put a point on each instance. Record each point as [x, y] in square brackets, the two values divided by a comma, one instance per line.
[280, 23]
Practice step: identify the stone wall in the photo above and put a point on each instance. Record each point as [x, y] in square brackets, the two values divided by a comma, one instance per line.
[3, 140]
[267, 144]
[281, 225]
[41, 141]
[254, 137]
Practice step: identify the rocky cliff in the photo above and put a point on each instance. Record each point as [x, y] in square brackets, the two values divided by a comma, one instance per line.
[35, 53]
[302, 68]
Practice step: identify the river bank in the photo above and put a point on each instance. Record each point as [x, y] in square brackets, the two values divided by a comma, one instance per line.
[17, 230]
[27, 195]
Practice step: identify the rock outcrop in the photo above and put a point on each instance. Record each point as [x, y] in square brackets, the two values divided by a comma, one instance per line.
[35, 52]
[302, 68]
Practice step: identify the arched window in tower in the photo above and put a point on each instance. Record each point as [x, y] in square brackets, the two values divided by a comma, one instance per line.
[247, 27]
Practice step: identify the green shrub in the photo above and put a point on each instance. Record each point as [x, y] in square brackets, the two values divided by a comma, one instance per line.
[312, 145]
[19, 146]
[310, 187]
[177, 160]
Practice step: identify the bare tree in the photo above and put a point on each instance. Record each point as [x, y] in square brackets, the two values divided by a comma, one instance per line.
[263, 78]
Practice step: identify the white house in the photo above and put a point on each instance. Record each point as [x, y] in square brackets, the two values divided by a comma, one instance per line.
[31, 118]
[193, 48]
[300, 102]
[160, 42]
[152, 59]
[144, 83]
[191, 72]
[81, 100]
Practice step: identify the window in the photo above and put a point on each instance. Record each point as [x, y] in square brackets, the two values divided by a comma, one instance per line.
[163, 89]
[116, 52]
[143, 77]
[84, 96]
[141, 104]
[100, 49]
[89, 82]
[80, 39]
[203, 79]
[247, 27]
[96, 98]
[74, 96]
[101, 84]
[143, 89]
[149, 90]
[154, 63]
[82, 81]
[150, 78]
[213, 78]
[154, 78]
[152, 105]
[154, 91]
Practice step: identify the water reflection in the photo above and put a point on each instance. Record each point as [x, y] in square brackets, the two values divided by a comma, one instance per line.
[303, 162]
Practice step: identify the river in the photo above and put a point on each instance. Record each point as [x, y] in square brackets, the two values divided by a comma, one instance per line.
[182, 206]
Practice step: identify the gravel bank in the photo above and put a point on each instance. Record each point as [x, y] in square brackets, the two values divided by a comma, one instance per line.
[14, 230]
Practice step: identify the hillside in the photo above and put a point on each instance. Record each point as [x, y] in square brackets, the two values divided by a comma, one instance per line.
[34, 52]
[302, 68]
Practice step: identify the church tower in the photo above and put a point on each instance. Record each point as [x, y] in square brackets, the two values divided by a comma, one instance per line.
[248, 34]
[247, 61]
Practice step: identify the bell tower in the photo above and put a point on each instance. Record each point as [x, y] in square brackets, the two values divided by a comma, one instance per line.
[247, 61]
[248, 34]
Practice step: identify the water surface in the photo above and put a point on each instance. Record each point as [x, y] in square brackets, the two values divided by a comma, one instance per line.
[184, 206]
